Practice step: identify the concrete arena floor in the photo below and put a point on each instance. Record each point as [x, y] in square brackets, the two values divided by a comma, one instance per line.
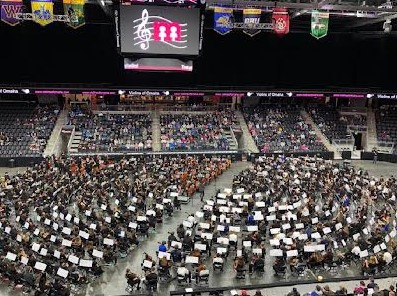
[113, 281]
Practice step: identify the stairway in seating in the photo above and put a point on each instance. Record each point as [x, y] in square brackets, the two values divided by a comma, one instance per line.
[309, 120]
[54, 141]
[372, 136]
[76, 139]
[249, 142]
[233, 145]
[156, 132]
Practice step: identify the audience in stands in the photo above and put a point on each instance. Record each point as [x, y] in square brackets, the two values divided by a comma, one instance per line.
[64, 218]
[108, 132]
[330, 122]
[25, 128]
[354, 120]
[190, 131]
[386, 123]
[280, 128]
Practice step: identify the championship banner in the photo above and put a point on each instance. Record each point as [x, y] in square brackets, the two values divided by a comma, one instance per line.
[223, 20]
[280, 19]
[252, 17]
[75, 10]
[319, 24]
[42, 11]
[9, 9]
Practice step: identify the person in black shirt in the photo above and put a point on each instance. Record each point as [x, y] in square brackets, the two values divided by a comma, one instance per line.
[375, 154]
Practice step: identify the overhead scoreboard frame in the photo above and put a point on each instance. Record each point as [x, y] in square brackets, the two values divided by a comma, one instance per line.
[166, 33]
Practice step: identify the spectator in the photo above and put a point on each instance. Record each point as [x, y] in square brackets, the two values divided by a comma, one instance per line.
[294, 292]
[317, 291]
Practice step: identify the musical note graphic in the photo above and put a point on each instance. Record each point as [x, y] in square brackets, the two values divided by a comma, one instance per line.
[144, 34]
[156, 28]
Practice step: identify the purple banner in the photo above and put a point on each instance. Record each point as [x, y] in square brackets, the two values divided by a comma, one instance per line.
[189, 94]
[229, 94]
[349, 96]
[52, 92]
[310, 95]
[9, 9]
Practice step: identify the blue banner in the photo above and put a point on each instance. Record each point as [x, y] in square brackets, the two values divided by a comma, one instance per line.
[223, 20]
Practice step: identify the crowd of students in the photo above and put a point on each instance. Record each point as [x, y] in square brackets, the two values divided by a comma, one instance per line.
[109, 132]
[281, 128]
[189, 131]
[63, 219]
[305, 213]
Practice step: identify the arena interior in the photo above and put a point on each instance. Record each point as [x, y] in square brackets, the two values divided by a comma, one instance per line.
[258, 159]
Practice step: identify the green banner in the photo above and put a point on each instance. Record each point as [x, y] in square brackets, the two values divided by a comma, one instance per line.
[319, 25]
[75, 10]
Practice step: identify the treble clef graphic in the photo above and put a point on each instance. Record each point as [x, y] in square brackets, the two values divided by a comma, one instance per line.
[144, 33]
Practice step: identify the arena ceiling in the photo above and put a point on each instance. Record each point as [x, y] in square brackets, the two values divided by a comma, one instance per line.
[366, 18]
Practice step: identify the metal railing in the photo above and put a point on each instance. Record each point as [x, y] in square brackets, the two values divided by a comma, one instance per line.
[71, 136]
[343, 144]
[233, 136]
[385, 146]
[123, 108]
[357, 128]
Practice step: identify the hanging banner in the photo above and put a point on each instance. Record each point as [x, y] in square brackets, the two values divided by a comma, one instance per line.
[75, 10]
[252, 18]
[42, 11]
[9, 9]
[280, 21]
[319, 24]
[223, 20]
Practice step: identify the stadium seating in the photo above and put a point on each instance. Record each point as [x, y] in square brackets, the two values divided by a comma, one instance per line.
[277, 128]
[386, 124]
[328, 119]
[197, 131]
[25, 129]
[106, 132]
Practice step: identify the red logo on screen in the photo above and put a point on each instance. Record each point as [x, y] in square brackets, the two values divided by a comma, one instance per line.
[164, 31]
[154, 28]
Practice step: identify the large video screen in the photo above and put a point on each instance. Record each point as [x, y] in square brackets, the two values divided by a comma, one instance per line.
[159, 30]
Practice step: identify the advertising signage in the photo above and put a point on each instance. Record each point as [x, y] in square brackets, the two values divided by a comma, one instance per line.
[349, 96]
[18, 90]
[9, 91]
[269, 94]
[388, 96]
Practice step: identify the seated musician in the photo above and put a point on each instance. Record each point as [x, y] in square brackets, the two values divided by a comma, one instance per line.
[196, 253]
[315, 259]
[292, 262]
[218, 260]
[200, 270]
[239, 264]
[165, 264]
[328, 257]
[369, 265]
[278, 264]
[76, 242]
[148, 258]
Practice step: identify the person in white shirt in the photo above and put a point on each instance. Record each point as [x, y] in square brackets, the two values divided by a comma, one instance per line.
[184, 272]
[356, 250]
[387, 257]
[192, 219]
